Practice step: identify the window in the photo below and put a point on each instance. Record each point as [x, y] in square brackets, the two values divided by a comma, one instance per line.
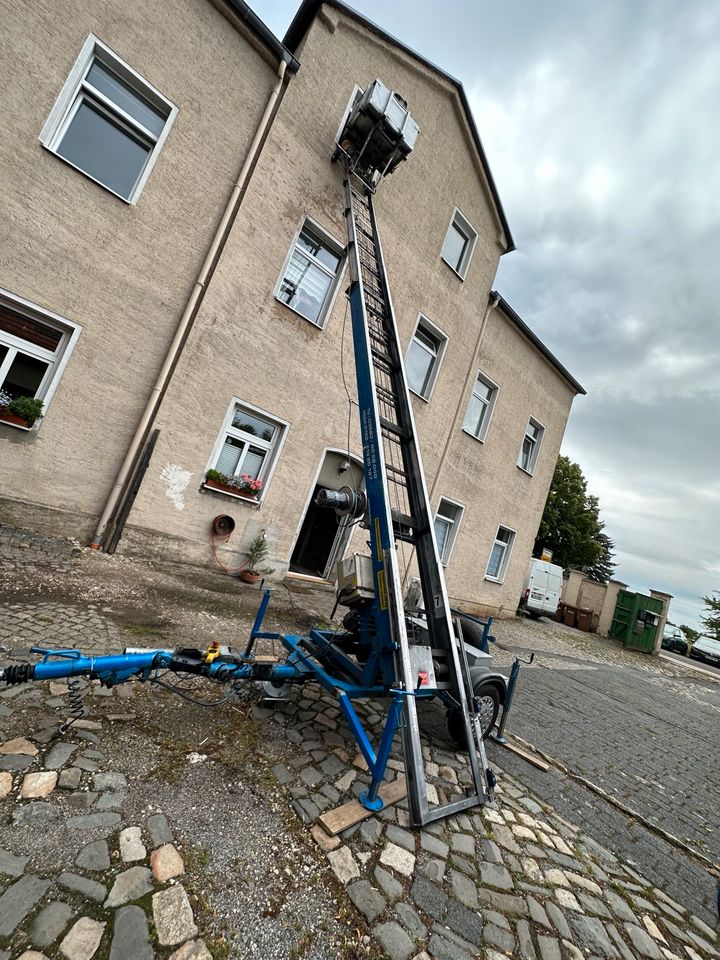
[500, 554]
[459, 244]
[249, 444]
[108, 122]
[531, 445]
[480, 408]
[424, 356]
[34, 347]
[311, 274]
[447, 521]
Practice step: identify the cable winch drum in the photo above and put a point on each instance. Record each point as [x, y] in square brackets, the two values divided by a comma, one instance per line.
[346, 502]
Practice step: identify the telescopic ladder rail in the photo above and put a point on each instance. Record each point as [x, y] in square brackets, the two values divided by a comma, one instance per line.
[398, 505]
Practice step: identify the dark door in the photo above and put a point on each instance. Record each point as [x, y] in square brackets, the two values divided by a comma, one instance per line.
[315, 541]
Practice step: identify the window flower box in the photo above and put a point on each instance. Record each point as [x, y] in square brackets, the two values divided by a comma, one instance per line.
[244, 486]
[7, 417]
[228, 488]
[20, 411]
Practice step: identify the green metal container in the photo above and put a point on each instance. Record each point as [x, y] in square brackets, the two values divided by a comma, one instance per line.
[636, 620]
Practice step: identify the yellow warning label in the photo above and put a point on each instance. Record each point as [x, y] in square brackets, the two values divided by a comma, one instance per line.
[382, 589]
[382, 584]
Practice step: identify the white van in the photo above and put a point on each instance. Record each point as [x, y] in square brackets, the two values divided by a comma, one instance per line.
[542, 588]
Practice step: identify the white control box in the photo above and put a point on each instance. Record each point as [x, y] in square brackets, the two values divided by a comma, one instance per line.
[355, 579]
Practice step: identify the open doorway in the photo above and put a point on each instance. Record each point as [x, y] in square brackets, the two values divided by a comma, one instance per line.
[322, 538]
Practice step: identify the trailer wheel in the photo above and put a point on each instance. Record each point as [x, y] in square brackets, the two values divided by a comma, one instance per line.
[472, 633]
[274, 691]
[489, 700]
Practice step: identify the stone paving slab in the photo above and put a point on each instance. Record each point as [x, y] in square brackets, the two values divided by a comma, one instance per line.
[512, 879]
[515, 876]
[657, 782]
[41, 913]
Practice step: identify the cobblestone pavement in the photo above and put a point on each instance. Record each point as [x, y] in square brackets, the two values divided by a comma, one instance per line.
[29, 552]
[88, 871]
[644, 730]
[157, 829]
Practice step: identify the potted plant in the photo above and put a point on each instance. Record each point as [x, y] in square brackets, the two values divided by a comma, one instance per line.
[257, 552]
[23, 411]
[243, 486]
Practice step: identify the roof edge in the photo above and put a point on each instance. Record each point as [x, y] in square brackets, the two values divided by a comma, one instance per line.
[264, 33]
[306, 13]
[537, 342]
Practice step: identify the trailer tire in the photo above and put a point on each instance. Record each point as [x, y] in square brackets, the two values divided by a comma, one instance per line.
[489, 696]
[472, 632]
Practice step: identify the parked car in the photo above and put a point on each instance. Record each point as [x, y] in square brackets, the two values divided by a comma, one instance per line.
[674, 641]
[706, 649]
[543, 586]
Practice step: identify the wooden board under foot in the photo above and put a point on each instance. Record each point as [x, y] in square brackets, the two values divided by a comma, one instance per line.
[347, 815]
[530, 757]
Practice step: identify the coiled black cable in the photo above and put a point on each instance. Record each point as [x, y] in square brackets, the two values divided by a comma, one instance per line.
[77, 707]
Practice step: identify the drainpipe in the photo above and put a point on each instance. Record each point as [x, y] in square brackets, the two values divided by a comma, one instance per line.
[471, 374]
[190, 311]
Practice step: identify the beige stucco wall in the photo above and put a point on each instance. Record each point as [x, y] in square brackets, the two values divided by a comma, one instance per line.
[592, 595]
[122, 272]
[485, 476]
[248, 345]
[571, 586]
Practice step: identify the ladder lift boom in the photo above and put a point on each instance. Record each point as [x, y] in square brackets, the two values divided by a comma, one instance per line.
[373, 143]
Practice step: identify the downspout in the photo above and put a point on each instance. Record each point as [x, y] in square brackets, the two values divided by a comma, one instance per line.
[189, 313]
[472, 372]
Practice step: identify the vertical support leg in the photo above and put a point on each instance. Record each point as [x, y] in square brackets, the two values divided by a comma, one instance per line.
[356, 728]
[500, 735]
[259, 617]
[369, 798]
[485, 646]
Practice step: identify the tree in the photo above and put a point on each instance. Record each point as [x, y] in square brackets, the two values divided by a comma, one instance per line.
[603, 568]
[688, 632]
[571, 525]
[711, 622]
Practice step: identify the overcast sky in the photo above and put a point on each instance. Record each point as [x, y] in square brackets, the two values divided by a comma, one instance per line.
[600, 123]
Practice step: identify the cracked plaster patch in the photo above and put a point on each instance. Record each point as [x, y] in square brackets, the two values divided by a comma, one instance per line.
[176, 481]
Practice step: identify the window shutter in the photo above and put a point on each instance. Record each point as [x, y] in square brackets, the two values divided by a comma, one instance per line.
[229, 456]
[252, 464]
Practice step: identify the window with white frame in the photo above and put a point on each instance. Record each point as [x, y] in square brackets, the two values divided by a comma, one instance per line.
[423, 357]
[531, 445]
[500, 554]
[249, 444]
[108, 121]
[311, 274]
[480, 408]
[447, 522]
[459, 243]
[34, 348]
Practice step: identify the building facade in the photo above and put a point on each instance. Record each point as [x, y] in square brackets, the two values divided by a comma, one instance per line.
[199, 293]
